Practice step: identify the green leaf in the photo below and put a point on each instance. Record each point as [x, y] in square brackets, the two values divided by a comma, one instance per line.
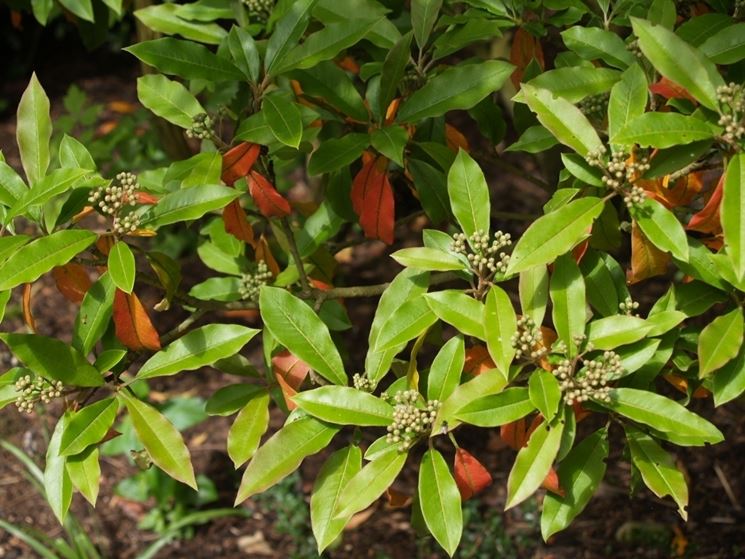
[676, 423]
[369, 483]
[678, 61]
[81, 8]
[407, 322]
[244, 52]
[579, 473]
[53, 359]
[282, 454]
[230, 399]
[732, 211]
[720, 341]
[249, 425]
[85, 473]
[498, 409]
[287, 34]
[161, 439]
[727, 46]
[336, 153]
[329, 83]
[12, 187]
[34, 131]
[555, 234]
[57, 484]
[163, 18]
[425, 258]
[628, 100]
[661, 227]
[95, 312]
[574, 83]
[198, 348]
[485, 384]
[88, 426]
[459, 310]
[568, 298]
[500, 324]
[729, 382]
[188, 204]
[657, 468]
[469, 195]
[545, 393]
[439, 499]
[334, 475]
[284, 119]
[593, 43]
[298, 328]
[344, 405]
[121, 264]
[534, 140]
[57, 182]
[613, 331]
[390, 141]
[74, 155]
[168, 99]
[565, 121]
[533, 292]
[533, 463]
[663, 130]
[393, 71]
[445, 371]
[458, 87]
[423, 17]
[186, 59]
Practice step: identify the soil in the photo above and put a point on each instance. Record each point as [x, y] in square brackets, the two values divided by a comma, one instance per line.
[614, 525]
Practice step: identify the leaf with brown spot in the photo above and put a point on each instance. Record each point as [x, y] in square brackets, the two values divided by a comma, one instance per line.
[132, 323]
[525, 48]
[707, 220]
[28, 316]
[646, 259]
[270, 202]
[237, 224]
[372, 200]
[238, 161]
[72, 281]
[470, 475]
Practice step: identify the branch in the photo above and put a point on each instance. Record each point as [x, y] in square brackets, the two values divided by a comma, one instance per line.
[304, 283]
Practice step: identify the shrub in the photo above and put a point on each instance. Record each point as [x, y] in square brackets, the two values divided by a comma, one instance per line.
[641, 117]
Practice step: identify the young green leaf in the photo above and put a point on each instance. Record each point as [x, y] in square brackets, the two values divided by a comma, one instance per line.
[727, 46]
[429, 259]
[95, 312]
[568, 298]
[287, 33]
[720, 341]
[662, 228]
[574, 83]
[250, 424]
[593, 43]
[336, 153]
[168, 99]
[439, 499]
[628, 100]
[545, 393]
[459, 310]
[663, 130]
[345, 405]
[57, 484]
[188, 204]
[423, 17]
[533, 289]
[85, 473]
[88, 426]
[732, 211]
[447, 367]
[728, 382]
[500, 324]
[122, 269]
[164, 18]
[613, 331]
[407, 322]
[469, 195]
[498, 409]
[485, 384]
[244, 52]
[34, 131]
[284, 119]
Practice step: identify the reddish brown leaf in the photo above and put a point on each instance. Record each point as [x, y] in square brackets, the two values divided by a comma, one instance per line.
[287, 391]
[28, 316]
[707, 219]
[263, 253]
[525, 48]
[349, 64]
[372, 200]
[290, 372]
[397, 499]
[681, 384]
[455, 139]
[579, 251]
[147, 198]
[237, 162]
[470, 475]
[670, 90]
[72, 281]
[646, 259]
[270, 202]
[392, 110]
[236, 223]
[680, 193]
[514, 434]
[580, 413]
[478, 360]
[132, 323]
[551, 483]
[104, 244]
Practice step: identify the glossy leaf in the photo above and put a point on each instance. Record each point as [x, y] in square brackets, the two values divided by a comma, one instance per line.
[445, 371]
[122, 270]
[373, 202]
[188, 204]
[500, 324]
[407, 322]
[439, 499]
[132, 323]
[545, 393]
[663, 130]
[34, 131]
[337, 153]
[168, 99]
[88, 426]
[661, 227]
[720, 341]
[57, 484]
[568, 298]
[249, 425]
[498, 409]
[344, 405]
[284, 119]
[733, 213]
[85, 474]
[425, 258]
[93, 317]
[628, 99]
[469, 195]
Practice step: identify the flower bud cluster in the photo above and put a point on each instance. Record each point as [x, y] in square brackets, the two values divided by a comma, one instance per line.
[251, 283]
[593, 383]
[410, 422]
[731, 99]
[201, 127]
[260, 10]
[628, 306]
[483, 253]
[361, 382]
[113, 199]
[35, 390]
[594, 106]
[633, 48]
[528, 340]
[619, 173]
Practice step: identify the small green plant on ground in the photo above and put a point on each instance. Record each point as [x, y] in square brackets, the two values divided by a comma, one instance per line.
[318, 125]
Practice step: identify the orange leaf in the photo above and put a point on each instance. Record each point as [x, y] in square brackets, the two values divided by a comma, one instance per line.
[147, 198]
[237, 162]
[551, 483]
[132, 324]
[264, 254]
[455, 139]
[270, 202]
[478, 360]
[470, 475]
[72, 281]
[104, 244]
[397, 499]
[514, 434]
[28, 316]
[681, 384]
[525, 48]
[646, 259]
[236, 223]
[390, 112]
[290, 373]
[349, 64]
[670, 90]
[372, 200]
[707, 219]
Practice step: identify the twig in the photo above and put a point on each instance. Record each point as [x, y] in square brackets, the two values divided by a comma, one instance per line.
[304, 283]
[181, 329]
[727, 487]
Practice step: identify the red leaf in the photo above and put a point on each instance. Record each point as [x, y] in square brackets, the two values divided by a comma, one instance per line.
[236, 223]
[551, 483]
[525, 48]
[514, 434]
[707, 219]
[372, 200]
[237, 162]
[132, 324]
[670, 90]
[264, 253]
[478, 360]
[270, 202]
[470, 475]
[290, 372]
[147, 198]
[72, 281]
